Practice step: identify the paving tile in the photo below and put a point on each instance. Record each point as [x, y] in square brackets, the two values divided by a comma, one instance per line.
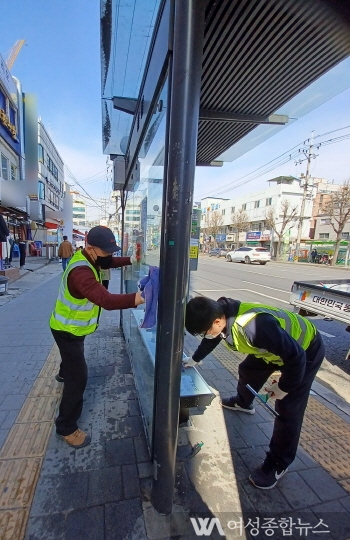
[252, 457]
[130, 426]
[9, 420]
[11, 403]
[263, 501]
[91, 457]
[346, 503]
[253, 435]
[134, 407]
[306, 458]
[235, 439]
[50, 527]
[120, 452]
[124, 520]
[335, 516]
[297, 492]
[59, 460]
[105, 486]
[145, 469]
[131, 484]
[18, 478]
[141, 449]
[323, 484]
[13, 523]
[87, 524]
[3, 435]
[58, 493]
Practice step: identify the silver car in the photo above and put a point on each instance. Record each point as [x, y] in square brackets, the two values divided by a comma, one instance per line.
[249, 255]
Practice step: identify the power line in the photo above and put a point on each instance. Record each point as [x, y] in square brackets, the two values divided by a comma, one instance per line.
[238, 182]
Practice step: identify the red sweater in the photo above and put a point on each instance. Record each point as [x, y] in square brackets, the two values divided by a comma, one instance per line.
[82, 284]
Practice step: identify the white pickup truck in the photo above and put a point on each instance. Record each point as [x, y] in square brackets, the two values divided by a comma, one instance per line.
[328, 298]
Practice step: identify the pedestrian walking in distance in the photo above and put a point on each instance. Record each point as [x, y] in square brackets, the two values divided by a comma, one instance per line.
[65, 251]
[77, 312]
[273, 339]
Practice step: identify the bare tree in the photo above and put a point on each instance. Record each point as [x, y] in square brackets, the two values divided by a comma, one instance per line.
[240, 221]
[337, 207]
[278, 224]
[212, 223]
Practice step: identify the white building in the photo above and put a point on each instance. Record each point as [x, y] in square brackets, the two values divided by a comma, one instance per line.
[321, 228]
[10, 149]
[79, 211]
[257, 205]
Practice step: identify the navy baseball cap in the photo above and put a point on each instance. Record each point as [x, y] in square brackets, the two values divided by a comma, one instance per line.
[103, 238]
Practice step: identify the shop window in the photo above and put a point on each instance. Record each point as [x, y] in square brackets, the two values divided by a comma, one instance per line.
[41, 191]
[2, 101]
[40, 153]
[4, 167]
[13, 172]
[13, 116]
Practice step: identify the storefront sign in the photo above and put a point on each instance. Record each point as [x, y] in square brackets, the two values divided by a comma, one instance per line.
[220, 237]
[265, 237]
[253, 235]
[4, 119]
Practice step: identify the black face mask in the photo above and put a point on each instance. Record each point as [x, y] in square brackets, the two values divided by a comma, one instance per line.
[104, 262]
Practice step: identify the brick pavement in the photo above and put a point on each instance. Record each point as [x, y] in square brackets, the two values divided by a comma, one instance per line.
[102, 491]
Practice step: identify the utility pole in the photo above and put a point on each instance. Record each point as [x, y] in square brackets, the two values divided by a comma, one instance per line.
[309, 156]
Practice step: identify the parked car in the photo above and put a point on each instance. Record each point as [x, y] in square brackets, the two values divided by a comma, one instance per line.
[218, 252]
[249, 255]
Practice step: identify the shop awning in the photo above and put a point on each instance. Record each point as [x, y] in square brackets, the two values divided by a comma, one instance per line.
[51, 224]
[78, 234]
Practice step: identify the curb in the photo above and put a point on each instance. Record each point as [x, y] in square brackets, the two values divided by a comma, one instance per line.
[27, 271]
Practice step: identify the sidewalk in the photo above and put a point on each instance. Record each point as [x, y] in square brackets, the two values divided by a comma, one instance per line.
[49, 491]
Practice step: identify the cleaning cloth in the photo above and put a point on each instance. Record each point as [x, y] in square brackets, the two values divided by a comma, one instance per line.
[149, 287]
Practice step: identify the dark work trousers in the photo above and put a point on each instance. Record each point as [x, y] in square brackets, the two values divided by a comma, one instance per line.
[22, 253]
[74, 371]
[286, 432]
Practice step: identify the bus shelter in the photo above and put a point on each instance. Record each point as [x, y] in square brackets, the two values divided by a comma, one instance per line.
[184, 84]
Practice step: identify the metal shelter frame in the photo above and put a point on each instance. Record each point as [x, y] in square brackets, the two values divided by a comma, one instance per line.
[230, 65]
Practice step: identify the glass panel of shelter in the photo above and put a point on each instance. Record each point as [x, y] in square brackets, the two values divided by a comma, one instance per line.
[142, 230]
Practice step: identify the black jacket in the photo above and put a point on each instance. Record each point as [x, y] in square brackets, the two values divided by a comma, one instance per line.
[264, 332]
[4, 232]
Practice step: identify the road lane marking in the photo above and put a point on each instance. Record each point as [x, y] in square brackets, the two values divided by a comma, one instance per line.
[266, 287]
[199, 291]
[325, 333]
[266, 296]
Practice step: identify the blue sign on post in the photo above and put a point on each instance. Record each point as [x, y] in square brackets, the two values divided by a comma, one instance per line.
[220, 237]
[253, 235]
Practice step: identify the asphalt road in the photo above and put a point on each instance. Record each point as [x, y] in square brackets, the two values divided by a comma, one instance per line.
[271, 284]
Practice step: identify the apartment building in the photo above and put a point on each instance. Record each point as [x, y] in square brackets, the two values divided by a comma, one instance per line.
[257, 207]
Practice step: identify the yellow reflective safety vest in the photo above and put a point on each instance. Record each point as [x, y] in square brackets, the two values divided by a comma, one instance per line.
[76, 316]
[299, 328]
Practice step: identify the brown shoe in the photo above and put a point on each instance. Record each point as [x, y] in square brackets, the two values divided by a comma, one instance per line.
[78, 439]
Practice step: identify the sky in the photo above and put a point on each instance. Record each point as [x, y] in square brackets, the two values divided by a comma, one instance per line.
[60, 63]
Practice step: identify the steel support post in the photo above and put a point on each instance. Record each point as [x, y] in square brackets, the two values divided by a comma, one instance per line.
[181, 146]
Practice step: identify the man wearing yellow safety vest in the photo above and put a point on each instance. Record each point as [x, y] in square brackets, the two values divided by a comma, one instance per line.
[274, 339]
[76, 314]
